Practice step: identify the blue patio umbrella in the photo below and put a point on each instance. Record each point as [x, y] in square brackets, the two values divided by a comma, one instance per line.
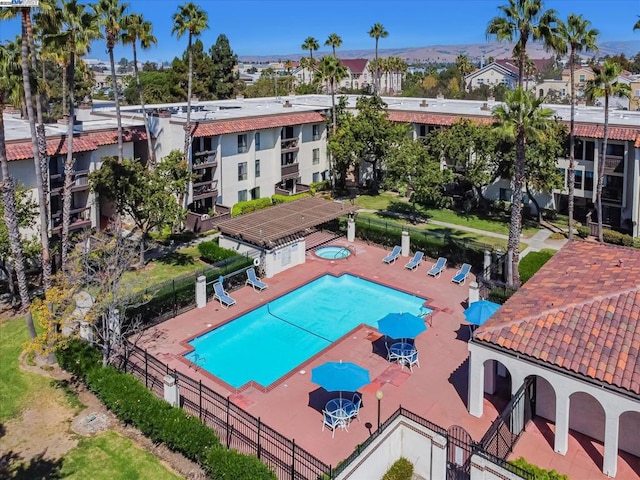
[401, 325]
[340, 376]
[479, 312]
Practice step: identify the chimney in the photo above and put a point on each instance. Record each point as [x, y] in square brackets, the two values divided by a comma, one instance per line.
[424, 103]
[485, 106]
[164, 114]
[287, 104]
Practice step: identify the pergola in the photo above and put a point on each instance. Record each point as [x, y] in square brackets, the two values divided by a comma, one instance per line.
[285, 222]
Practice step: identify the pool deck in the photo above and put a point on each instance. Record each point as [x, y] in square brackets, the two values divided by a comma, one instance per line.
[436, 391]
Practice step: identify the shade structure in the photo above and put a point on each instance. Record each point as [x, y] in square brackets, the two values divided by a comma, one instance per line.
[479, 312]
[401, 325]
[340, 376]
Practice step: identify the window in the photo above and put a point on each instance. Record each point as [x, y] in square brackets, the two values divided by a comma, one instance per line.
[590, 151]
[588, 180]
[578, 179]
[316, 177]
[287, 132]
[257, 168]
[615, 150]
[423, 131]
[242, 143]
[480, 81]
[257, 140]
[637, 92]
[316, 156]
[316, 132]
[582, 78]
[578, 151]
[242, 171]
[563, 92]
[242, 195]
[505, 194]
[255, 193]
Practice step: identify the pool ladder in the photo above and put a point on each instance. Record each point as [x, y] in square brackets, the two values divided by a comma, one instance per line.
[347, 249]
[198, 361]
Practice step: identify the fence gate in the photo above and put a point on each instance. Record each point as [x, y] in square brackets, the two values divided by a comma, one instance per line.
[459, 450]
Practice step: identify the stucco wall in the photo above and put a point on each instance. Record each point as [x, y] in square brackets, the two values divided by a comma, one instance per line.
[483, 469]
[283, 258]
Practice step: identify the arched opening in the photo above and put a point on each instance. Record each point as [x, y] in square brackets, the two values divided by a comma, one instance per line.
[628, 438]
[541, 93]
[587, 420]
[544, 410]
[497, 384]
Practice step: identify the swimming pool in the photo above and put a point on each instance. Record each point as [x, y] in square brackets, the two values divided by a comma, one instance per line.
[333, 252]
[273, 339]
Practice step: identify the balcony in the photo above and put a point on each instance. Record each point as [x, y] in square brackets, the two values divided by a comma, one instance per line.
[204, 159]
[297, 188]
[79, 218]
[613, 164]
[206, 189]
[290, 171]
[612, 194]
[79, 182]
[289, 145]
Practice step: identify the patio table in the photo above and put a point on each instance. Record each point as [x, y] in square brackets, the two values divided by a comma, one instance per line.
[404, 352]
[339, 407]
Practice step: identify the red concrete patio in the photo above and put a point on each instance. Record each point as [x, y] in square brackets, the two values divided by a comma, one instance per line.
[437, 390]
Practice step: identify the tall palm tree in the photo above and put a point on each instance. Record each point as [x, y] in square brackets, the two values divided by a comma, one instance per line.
[521, 118]
[334, 41]
[9, 86]
[332, 71]
[463, 64]
[523, 20]
[312, 45]
[637, 25]
[137, 29]
[111, 14]
[193, 20]
[377, 31]
[575, 36]
[605, 84]
[72, 27]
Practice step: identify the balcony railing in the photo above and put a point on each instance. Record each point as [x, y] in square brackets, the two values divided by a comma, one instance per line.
[79, 218]
[79, 182]
[614, 164]
[205, 189]
[204, 159]
[290, 171]
[289, 144]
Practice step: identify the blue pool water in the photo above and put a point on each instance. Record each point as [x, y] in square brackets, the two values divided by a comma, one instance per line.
[270, 341]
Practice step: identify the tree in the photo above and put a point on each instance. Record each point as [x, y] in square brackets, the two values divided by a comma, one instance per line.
[465, 68]
[332, 71]
[520, 118]
[136, 29]
[111, 14]
[637, 25]
[575, 36]
[341, 145]
[605, 84]
[334, 41]
[223, 75]
[310, 44]
[192, 20]
[377, 32]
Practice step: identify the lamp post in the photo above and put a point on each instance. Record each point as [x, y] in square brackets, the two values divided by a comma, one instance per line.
[379, 396]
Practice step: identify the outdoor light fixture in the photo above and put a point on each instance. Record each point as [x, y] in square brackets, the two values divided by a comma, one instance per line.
[379, 396]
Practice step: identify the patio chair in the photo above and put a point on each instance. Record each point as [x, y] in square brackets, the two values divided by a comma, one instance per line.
[438, 267]
[412, 360]
[222, 296]
[254, 281]
[393, 256]
[352, 411]
[333, 421]
[462, 274]
[415, 261]
[392, 357]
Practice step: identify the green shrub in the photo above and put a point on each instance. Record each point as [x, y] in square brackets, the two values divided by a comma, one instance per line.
[617, 238]
[229, 464]
[320, 186]
[533, 262]
[288, 198]
[248, 206]
[211, 252]
[539, 473]
[500, 295]
[402, 469]
[557, 236]
[583, 232]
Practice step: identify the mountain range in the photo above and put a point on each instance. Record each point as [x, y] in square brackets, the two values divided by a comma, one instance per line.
[448, 53]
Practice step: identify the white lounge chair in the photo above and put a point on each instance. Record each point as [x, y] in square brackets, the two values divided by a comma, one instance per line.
[222, 296]
[438, 267]
[415, 261]
[393, 256]
[254, 281]
[462, 274]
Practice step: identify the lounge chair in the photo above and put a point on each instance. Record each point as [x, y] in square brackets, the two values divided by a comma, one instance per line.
[353, 411]
[462, 274]
[254, 281]
[393, 256]
[438, 268]
[222, 296]
[332, 421]
[415, 261]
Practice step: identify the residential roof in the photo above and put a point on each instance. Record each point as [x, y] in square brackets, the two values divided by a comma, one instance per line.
[284, 222]
[355, 65]
[511, 65]
[223, 127]
[579, 312]
[23, 150]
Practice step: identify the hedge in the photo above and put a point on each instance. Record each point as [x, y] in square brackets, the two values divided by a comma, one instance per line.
[211, 252]
[402, 469]
[538, 473]
[288, 198]
[320, 186]
[617, 238]
[132, 403]
[583, 232]
[248, 206]
[532, 262]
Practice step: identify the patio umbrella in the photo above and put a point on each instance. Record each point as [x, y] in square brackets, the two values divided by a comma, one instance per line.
[401, 325]
[340, 376]
[479, 312]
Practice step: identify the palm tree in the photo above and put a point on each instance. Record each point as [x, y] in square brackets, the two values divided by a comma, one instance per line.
[332, 71]
[377, 31]
[522, 20]
[73, 28]
[464, 67]
[334, 41]
[288, 66]
[575, 36]
[9, 87]
[137, 29]
[637, 26]
[193, 20]
[605, 84]
[520, 118]
[312, 45]
[111, 15]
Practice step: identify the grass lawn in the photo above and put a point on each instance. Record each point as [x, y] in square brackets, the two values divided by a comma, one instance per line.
[17, 386]
[108, 456]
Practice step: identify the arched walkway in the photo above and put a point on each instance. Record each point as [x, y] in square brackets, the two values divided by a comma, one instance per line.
[587, 416]
[497, 383]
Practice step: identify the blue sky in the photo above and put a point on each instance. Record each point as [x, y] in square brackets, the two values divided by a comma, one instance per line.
[278, 27]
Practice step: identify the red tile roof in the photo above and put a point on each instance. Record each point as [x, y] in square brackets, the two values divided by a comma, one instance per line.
[355, 65]
[433, 118]
[223, 127]
[580, 312]
[84, 142]
[615, 133]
